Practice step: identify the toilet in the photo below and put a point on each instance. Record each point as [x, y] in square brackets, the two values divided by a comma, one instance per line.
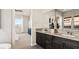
[5, 45]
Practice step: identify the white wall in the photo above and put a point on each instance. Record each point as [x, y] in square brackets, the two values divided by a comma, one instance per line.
[72, 12]
[39, 20]
[5, 31]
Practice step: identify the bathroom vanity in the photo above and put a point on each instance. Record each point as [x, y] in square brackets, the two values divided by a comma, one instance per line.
[56, 41]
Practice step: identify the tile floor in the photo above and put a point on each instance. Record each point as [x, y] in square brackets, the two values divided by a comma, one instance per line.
[34, 47]
[23, 41]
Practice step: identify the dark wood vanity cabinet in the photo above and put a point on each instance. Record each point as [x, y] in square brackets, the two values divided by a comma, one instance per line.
[48, 41]
[54, 42]
[57, 42]
[43, 40]
[40, 39]
[71, 44]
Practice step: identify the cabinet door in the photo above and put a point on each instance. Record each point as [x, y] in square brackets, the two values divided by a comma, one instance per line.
[57, 43]
[44, 40]
[71, 44]
[48, 41]
[41, 39]
[67, 44]
[38, 38]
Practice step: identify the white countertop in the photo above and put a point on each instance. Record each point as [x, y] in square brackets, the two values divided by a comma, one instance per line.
[71, 37]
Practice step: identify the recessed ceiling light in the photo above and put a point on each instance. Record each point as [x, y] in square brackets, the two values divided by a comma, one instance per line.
[18, 10]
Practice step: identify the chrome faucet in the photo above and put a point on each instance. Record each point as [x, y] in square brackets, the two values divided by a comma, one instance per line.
[69, 33]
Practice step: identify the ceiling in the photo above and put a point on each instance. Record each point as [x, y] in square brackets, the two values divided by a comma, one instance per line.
[61, 10]
[26, 12]
[64, 10]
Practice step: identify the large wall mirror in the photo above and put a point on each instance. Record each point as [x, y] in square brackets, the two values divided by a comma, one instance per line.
[71, 21]
[67, 23]
[76, 21]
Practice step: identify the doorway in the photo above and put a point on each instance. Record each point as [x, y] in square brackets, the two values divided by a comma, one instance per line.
[22, 29]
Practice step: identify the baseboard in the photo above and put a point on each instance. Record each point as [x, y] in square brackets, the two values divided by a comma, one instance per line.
[33, 44]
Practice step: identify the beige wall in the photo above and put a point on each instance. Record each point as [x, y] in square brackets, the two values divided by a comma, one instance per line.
[39, 20]
[5, 30]
[72, 12]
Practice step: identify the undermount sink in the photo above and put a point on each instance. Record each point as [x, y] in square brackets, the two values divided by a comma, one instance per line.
[68, 35]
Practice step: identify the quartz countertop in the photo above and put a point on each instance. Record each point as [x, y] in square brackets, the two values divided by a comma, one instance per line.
[67, 36]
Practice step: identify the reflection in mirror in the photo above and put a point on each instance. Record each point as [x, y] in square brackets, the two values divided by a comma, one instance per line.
[76, 21]
[51, 24]
[67, 22]
[76, 24]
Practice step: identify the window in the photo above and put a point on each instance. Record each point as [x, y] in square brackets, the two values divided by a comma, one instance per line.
[19, 24]
[18, 21]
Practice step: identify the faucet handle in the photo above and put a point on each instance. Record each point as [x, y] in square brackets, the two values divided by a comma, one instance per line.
[68, 32]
